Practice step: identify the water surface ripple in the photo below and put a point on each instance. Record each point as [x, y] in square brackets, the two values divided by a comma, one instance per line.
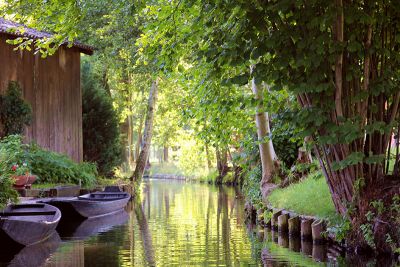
[177, 224]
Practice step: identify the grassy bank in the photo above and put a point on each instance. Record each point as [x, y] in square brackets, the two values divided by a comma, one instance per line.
[166, 168]
[310, 196]
[171, 168]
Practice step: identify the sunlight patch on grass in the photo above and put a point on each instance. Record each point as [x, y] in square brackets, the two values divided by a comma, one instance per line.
[168, 168]
[310, 196]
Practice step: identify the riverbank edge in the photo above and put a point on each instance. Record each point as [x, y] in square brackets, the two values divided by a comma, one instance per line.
[272, 222]
[316, 234]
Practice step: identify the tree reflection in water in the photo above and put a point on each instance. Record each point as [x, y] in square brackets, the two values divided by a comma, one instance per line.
[145, 234]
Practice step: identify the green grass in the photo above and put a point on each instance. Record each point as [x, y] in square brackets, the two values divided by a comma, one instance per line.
[170, 168]
[100, 182]
[310, 196]
[45, 185]
[165, 168]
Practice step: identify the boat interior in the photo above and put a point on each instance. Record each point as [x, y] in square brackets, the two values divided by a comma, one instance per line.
[105, 196]
[28, 212]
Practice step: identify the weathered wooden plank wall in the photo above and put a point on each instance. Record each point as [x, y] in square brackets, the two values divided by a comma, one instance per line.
[52, 87]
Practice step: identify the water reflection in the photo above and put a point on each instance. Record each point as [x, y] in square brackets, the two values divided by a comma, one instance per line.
[82, 229]
[183, 224]
[34, 255]
[174, 224]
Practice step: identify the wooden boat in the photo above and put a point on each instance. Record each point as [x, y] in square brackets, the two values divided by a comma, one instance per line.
[91, 205]
[75, 229]
[27, 224]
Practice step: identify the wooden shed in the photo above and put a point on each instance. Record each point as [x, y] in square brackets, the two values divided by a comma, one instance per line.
[51, 86]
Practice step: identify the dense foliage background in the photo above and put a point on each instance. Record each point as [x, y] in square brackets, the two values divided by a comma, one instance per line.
[101, 136]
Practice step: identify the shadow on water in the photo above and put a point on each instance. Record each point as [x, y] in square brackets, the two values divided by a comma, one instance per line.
[280, 249]
[30, 256]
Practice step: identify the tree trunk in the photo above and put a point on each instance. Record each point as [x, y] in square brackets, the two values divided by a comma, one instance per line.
[145, 234]
[266, 147]
[139, 140]
[148, 132]
[222, 164]
[130, 143]
[165, 153]
[209, 166]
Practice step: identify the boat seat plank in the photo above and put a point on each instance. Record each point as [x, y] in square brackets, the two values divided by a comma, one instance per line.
[27, 213]
[107, 194]
[24, 206]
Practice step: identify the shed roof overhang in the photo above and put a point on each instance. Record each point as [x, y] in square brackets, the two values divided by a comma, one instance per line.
[19, 30]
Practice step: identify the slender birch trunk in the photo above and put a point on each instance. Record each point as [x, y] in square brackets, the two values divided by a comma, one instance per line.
[266, 147]
[148, 132]
[139, 140]
[130, 144]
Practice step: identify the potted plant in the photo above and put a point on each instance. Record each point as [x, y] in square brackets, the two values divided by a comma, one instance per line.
[22, 176]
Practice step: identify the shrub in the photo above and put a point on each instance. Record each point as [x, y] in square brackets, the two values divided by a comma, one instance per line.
[284, 137]
[7, 160]
[101, 143]
[15, 113]
[50, 167]
[251, 185]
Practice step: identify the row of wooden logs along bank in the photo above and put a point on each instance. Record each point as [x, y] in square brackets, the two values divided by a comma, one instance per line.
[307, 228]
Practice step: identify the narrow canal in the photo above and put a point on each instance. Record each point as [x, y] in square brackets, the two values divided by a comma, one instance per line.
[175, 224]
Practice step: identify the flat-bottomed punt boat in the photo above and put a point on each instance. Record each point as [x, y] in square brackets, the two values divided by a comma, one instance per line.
[28, 224]
[91, 205]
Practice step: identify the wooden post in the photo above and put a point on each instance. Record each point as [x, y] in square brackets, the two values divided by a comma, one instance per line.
[319, 252]
[306, 247]
[283, 240]
[305, 229]
[318, 228]
[294, 226]
[274, 236]
[274, 219]
[283, 223]
[294, 243]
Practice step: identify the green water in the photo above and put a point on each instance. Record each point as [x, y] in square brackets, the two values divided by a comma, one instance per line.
[177, 224]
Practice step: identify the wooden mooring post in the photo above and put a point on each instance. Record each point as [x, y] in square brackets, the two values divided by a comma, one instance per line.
[305, 228]
[294, 226]
[274, 219]
[317, 229]
[283, 223]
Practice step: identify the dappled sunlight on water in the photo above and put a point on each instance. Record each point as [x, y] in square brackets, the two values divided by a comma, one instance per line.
[178, 224]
